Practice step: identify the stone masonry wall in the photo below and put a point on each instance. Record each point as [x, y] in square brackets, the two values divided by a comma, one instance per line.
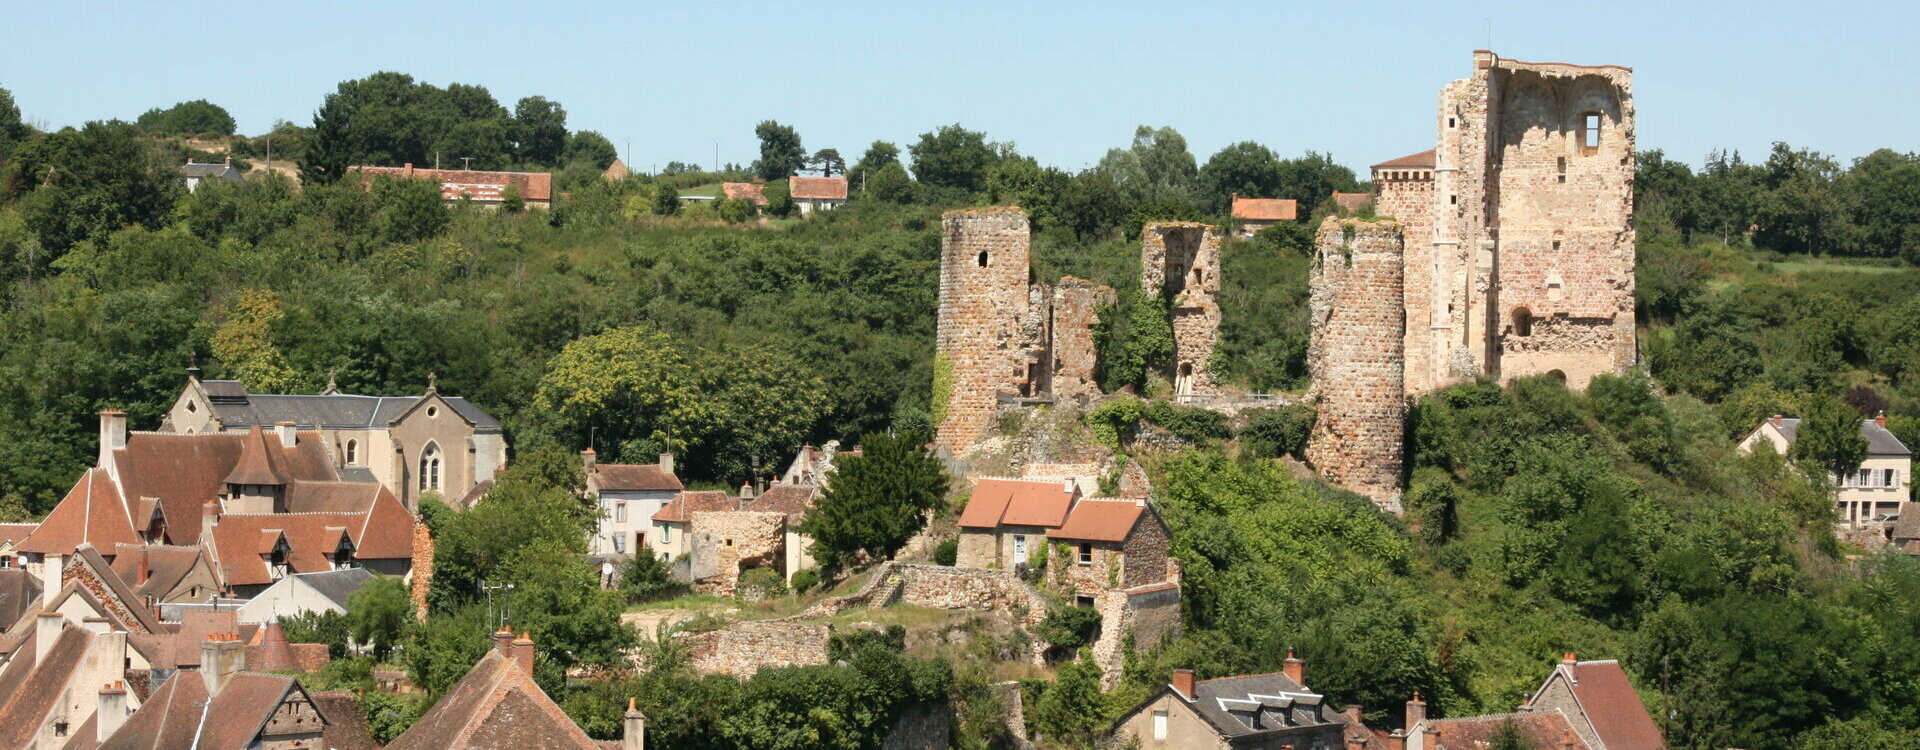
[743, 648]
[1182, 261]
[1076, 304]
[1406, 196]
[1355, 357]
[983, 305]
[728, 542]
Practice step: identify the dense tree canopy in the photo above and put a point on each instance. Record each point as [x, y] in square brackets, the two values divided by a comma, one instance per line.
[781, 154]
[197, 117]
[952, 157]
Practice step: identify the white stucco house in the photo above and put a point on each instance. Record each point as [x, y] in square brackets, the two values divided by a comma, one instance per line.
[1881, 484]
[628, 496]
[300, 593]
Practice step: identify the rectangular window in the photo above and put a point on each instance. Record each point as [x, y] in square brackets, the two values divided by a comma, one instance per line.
[1893, 478]
[1590, 131]
[620, 543]
[666, 534]
[1086, 553]
[1563, 169]
[1019, 548]
[1159, 725]
[620, 512]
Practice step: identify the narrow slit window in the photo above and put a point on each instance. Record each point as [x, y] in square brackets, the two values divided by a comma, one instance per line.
[982, 259]
[1563, 169]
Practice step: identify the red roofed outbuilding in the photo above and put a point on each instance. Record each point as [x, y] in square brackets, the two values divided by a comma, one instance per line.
[1255, 214]
[817, 193]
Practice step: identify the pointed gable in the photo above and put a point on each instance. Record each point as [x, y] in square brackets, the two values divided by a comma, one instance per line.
[257, 464]
[182, 472]
[497, 706]
[92, 512]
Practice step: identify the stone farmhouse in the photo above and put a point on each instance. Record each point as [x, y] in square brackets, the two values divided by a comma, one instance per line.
[1509, 247]
[745, 191]
[1877, 489]
[498, 705]
[628, 496]
[1588, 705]
[812, 194]
[1255, 214]
[193, 172]
[485, 189]
[414, 445]
[1264, 711]
[1003, 341]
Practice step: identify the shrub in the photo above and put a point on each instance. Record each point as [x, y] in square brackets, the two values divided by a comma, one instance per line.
[767, 580]
[805, 580]
[1070, 627]
[1275, 432]
[646, 578]
[947, 551]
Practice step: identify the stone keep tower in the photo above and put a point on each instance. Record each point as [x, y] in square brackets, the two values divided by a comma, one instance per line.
[1523, 262]
[1356, 357]
[984, 303]
[1181, 260]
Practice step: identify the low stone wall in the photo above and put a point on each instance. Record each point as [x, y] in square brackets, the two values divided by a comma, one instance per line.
[743, 648]
[940, 587]
[928, 726]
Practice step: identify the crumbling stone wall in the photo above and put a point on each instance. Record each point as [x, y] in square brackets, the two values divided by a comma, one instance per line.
[927, 726]
[422, 570]
[725, 543]
[1355, 357]
[1533, 220]
[1406, 195]
[1181, 260]
[1075, 307]
[746, 647]
[983, 305]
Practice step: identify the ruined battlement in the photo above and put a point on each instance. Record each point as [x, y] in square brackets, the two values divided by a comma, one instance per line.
[1181, 260]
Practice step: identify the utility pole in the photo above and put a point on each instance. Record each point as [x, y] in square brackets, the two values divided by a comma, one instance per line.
[716, 157]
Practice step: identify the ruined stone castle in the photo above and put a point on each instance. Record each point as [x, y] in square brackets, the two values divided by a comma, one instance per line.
[1515, 254]
[1003, 339]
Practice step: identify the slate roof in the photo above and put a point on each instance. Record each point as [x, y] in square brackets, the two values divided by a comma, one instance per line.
[634, 477]
[1099, 520]
[1542, 729]
[1267, 696]
[220, 171]
[337, 585]
[235, 408]
[793, 500]
[1016, 502]
[818, 188]
[753, 191]
[1422, 160]
[1266, 209]
[1880, 440]
[683, 505]
[496, 706]
[1610, 704]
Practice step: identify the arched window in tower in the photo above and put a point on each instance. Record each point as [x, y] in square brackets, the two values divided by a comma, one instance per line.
[430, 468]
[1522, 321]
[352, 453]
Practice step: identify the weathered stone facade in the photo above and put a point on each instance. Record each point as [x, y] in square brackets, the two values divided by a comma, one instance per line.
[746, 647]
[1355, 357]
[727, 543]
[1076, 306]
[1523, 264]
[1181, 261]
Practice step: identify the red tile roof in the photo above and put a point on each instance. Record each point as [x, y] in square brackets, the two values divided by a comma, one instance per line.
[634, 477]
[685, 504]
[1422, 160]
[173, 717]
[1542, 730]
[754, 191]
[184, 471]
[91, 512]
[497, 705]
[12, 533]
[1615, 710]
[1016, 502]
[818, 188]
[33, 701]
[1351, 201]
[1266, 209]
[475, 184]
[256, 465]
[793, 500]
[166, 566]
[1099, 521]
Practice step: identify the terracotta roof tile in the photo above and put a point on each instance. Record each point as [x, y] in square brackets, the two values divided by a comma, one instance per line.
[685, 504]
[1099, 521]
[1615, 710]
[166, 566]
[793, 500]
[634, 477]
[497, 705]
[818, 188]
[12, 533]
[1422, 160]
[475, 184]
[91, 512]
[257, 464]
[1266, 209]
[184, 471]
[1543, 730]
[1016, 502]
[753, 191]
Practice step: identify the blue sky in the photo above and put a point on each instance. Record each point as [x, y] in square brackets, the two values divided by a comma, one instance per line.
[1065, 81]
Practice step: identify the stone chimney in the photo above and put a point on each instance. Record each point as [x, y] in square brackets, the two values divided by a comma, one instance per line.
[50, 570]
[1396, 740]
[666, 462]
[46, 631]
[746, 490]
[112, 711]
[1295, 669]
[1416, 711]
[113, 435]
[1183, 682]
[589, 460]
[220, 657]
[633, 733]
[523, 653]
[287, 435]
[1880, 419]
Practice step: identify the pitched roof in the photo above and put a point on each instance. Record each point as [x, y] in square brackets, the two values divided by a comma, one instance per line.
[683, 505]
[793, 500]
[184, 471]
[1908, 527]
[1266, 209]
[497, 705]
[1880, 440]
[236, 408]
[818, 188]
[1543, 730]
[1247, 704]
[475, 184]
[12, 533]
[754, 191]
[91, 512]
[634, 477]
[176, 714]
[166, 566]
[336, 585]
[35, 696]
[222, 171]
[1611, 705]
[347, 727]
[241, 540]
[1351, 201]
[19, 590]
[1016, 502]
[256, 465]
[121, 604]
[1422, 160]
[1099, 520]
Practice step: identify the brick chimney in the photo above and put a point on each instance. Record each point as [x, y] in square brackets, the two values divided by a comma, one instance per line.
[142, 567]
[1776, 420]
[112, 711]
[633, 733]
[1353, 713]
[1396, 740]
[50, 570]
[287, 435]
[1183, 682]
[666, 462]
[46, 631]
[1880, 419]
[503, 642]
[523, 653]
[1416, 710]
[407, 169]
[221, 655]
[1295, 669]
[113, 436]
[1568, 662]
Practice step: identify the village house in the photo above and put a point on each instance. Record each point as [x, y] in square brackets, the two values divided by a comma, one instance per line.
[253, 708]
[817, 193]
[1255, 214]
[755, 192]
[11, 535]
[1249, 712]
[166, 573]
[301, 593]
[485, 189]
[811, 466]
[627, 496]
[672, 525]
[498, 706]
[792, 501]
[414, 445]
[1583, 705]
[193, 172]
[1877, 489]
